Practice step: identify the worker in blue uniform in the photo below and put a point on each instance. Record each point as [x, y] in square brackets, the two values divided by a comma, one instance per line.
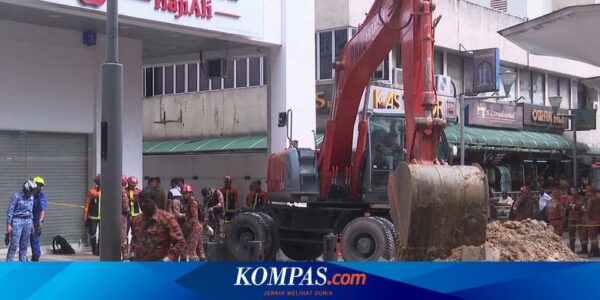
[19, 220]
[40, 204]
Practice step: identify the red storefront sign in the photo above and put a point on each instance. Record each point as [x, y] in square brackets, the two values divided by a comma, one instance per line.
[93, 2]
[198, 8]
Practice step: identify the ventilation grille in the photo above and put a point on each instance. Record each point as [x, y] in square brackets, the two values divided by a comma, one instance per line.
[500, 5]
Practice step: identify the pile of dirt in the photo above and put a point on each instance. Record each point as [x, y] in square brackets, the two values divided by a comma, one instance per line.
[528, 240]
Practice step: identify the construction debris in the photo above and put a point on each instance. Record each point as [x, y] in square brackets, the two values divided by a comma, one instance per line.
[528, 240]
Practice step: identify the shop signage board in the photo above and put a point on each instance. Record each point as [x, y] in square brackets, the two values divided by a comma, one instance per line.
[586, 118]
[242, 18]
[486, 70]
[542, 117]
[494, 115]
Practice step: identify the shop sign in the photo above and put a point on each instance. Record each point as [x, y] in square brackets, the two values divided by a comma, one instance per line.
[493, 114]
[543, 116]
[586, 118]
[486, 70]
[323, 95]
[198, 8]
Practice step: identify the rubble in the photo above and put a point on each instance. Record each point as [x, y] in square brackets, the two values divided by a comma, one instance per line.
[528, 240]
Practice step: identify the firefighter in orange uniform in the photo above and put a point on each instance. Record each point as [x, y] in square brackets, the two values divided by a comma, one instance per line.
[556, 213]
[593, 214]
[124, 219]
[192, 226]
[576, 205]
[133, 193]
[91, 214]
[256, 198]
[230, 196]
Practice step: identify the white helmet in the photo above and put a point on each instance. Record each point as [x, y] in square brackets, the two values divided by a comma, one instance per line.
[29, 186]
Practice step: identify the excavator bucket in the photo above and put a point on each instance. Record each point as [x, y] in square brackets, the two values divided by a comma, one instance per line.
[436, 208]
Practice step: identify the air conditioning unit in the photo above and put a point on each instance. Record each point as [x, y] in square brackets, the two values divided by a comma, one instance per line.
[216, 68]
[443, 85]
[398, 79]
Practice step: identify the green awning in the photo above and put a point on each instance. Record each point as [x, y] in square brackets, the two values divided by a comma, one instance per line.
[221, 144]
[511, 140]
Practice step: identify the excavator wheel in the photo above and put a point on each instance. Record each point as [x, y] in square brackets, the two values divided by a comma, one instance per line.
[367, 239]
[271, 253]
[389, 226]
[243, 228]
[436, 208]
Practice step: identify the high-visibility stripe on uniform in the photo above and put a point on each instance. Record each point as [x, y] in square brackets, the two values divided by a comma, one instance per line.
[227, 199]
[99, 206]
[134, 208]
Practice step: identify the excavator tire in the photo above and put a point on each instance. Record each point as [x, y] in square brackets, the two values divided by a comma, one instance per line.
[367, 239]
[436, 208]
[271, 253]
[243, 228]
[389, 226]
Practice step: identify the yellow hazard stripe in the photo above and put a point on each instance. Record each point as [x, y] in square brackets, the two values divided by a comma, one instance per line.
[65, 204]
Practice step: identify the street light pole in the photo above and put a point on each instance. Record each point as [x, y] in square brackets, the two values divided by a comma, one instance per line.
[555, 102]
[111, 146]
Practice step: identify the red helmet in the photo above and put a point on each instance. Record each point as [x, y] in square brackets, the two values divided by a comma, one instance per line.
[98, 178]
[132, 181]
[124, 180]
[187, 188]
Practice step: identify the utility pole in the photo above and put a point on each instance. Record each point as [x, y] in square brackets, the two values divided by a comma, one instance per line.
[112, 140]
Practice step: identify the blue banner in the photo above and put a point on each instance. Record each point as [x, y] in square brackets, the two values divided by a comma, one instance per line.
[299, 280]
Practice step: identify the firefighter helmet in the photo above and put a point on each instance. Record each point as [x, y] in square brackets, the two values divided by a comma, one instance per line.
[132, 181]
[187, 189]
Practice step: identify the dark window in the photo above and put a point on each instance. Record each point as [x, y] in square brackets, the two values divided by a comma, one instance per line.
[230, 75]
[180, 79]
[216, 84]
[203, 79]
[192, 77]
[149, 90]
[158, 81]
[325, 55]
[254, 71]
[265, 68]
[241, 76]
[341, 38]
[168, 80]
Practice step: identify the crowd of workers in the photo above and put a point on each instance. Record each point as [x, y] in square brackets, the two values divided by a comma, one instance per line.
[169, 225]
[562, 207]
[164, 225]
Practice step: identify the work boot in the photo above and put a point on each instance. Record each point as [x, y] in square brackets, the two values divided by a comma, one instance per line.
[94, 247]
[33, 258]
[584, 249]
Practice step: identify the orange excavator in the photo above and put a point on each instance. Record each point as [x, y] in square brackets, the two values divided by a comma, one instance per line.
[391, 172]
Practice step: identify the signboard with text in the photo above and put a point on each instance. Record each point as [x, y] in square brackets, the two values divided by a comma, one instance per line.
[486, 70]
[542, 118]
[243, 18]
[493, 114]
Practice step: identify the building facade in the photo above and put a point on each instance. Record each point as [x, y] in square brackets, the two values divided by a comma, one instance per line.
[52, 52]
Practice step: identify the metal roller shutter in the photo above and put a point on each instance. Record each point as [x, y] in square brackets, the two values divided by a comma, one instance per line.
[62, 160]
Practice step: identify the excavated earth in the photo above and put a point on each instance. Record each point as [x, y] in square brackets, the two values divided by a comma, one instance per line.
[528, 240]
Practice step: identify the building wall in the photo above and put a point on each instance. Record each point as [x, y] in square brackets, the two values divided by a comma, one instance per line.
[209, 169]
[559, 4]
[230, 112]
[52, 83]
[334, 13]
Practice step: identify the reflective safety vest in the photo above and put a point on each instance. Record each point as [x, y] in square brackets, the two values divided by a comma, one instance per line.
[229, 203]
[134, 206]
[258, 201]
[94, 207]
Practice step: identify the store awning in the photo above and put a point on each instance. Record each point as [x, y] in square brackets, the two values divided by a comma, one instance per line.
[221, 144]
[511, 140]
[571, 33]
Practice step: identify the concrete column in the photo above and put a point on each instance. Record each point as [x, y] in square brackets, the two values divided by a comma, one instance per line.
[291, 83]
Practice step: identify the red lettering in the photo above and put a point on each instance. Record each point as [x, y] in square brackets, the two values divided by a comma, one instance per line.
[160, 4]
[195, 8]
[183, 9]
[172, 6]
[207, 9]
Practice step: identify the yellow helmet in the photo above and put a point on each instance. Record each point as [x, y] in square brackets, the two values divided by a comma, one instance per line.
[39, 180]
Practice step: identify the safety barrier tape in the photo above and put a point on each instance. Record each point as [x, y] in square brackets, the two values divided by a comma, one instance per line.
[65, 204]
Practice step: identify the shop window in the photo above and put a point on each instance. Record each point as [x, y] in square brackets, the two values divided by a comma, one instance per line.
[180, 79]
[538, 93]
[158, 80]
[564, 90]
[525, 85]
[264, 70]
[552, 85]
[168, 80]
[341, 38]
[148, 82]
[325, 55]
[204, 81]
[254, 71]
[192, 77]
[383, 71]
[241, 73]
